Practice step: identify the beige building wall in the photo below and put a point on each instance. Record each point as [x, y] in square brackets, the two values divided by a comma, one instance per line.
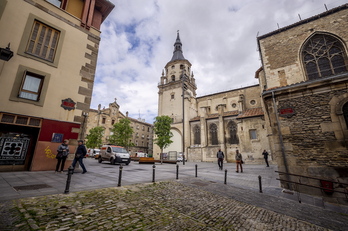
[67, 76]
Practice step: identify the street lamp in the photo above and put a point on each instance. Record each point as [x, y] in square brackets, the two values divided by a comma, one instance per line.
[6, 53]
[184, 88]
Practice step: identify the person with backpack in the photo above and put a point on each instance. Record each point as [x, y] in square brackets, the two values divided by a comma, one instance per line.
[239, 161]
[62, 154]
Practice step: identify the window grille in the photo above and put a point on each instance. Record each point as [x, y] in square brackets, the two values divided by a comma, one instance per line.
[323, 56]
[8, 118]
[34, 122]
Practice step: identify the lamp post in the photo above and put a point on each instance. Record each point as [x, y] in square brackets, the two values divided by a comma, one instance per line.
[184, 87]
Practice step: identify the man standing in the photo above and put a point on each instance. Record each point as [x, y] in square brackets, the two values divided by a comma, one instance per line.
[81, 152]
[265, 155]
[220, 155]
[239, 161]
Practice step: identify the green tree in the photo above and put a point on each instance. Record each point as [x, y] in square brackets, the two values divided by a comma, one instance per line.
[162, 131]
[122, 133]
[94, 138]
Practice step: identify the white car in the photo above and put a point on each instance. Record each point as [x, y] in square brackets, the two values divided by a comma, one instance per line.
[114, 154]
[179, 159]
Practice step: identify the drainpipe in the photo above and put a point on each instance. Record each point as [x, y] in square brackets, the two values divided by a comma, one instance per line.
[281, 141]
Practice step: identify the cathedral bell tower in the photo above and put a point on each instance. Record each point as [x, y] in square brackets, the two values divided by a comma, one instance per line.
[177, 80]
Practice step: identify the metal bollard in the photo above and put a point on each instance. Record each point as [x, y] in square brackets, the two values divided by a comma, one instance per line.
[183, 159]
[120, 176]
[225, 176]
[260, 184]
[153, 173]
[68, 180]
[177, 171]
[196, 169]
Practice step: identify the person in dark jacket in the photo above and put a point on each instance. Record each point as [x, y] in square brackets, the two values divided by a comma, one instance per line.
[62, 154]
[80, 153]
[265, 155]
[220, 155]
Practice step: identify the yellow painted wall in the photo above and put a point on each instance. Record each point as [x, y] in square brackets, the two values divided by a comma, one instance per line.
[75, 7]
[65, 78]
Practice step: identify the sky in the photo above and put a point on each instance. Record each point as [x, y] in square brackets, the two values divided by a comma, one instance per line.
[219, 39]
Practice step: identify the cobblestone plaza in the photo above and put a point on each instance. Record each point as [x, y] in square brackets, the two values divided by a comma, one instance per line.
[204, 202]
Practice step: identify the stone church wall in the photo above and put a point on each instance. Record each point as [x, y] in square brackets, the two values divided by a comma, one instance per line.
[314, 138]
[281, 51]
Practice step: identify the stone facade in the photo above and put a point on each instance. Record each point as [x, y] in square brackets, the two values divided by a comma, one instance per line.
[107, 117]
[202, 125]
[304, 87]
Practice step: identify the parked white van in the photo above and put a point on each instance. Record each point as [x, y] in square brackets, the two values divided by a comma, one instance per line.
[114, 154]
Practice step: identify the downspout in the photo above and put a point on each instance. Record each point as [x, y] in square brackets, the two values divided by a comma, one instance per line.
[277, 118]
[281, 141]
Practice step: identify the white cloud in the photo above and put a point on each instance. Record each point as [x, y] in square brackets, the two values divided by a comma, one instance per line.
[218, 37]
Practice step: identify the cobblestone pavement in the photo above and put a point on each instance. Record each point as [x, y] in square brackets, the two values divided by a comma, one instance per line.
[185, 204]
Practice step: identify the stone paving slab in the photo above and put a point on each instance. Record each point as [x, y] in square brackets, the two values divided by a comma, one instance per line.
[188, 204]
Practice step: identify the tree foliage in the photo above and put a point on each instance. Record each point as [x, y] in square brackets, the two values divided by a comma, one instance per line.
[94, 138]
[122, 133]
[162, 131]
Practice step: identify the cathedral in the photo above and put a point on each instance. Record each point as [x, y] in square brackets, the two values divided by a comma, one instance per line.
[201, 126]
[298, 112]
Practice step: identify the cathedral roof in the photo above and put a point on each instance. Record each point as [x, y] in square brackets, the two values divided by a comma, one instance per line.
[177, 54]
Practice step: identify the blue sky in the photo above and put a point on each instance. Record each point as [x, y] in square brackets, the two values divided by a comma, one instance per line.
[218, 37]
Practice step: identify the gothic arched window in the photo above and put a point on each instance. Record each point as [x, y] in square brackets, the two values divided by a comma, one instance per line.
[213, 134]
[232, 129]
[323, 55]
[196, 134]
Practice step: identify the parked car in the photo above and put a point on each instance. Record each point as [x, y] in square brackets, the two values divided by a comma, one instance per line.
[114, 154]
[95, 153]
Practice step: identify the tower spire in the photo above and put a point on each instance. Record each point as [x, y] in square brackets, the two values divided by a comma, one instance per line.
[177, 54]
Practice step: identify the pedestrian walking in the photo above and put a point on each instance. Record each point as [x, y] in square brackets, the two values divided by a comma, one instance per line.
[220, 155]
[62, 154]
[80, 153]
[239, 161]
[265, 155]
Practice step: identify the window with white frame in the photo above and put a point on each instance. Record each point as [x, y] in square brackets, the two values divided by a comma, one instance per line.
[31, 86]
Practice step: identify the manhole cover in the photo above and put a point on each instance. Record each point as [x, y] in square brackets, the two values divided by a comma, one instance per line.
[31, 187]
[200, 183]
